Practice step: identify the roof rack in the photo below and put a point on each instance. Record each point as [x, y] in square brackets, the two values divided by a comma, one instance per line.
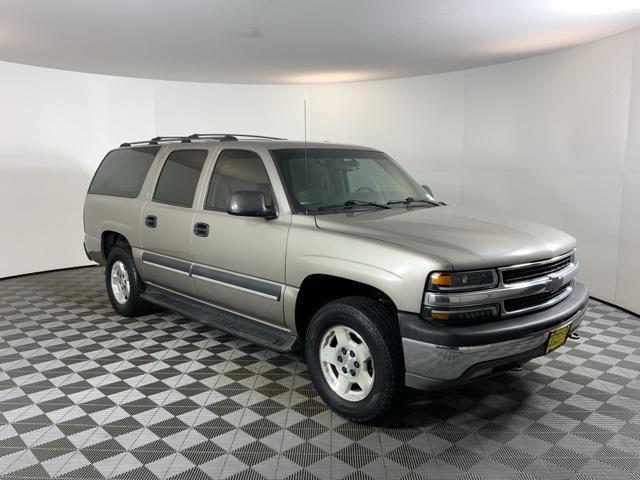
[229, 136]
[157, 140]
[222, 137]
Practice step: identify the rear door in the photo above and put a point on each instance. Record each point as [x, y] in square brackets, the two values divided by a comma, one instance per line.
[167, 219]
[239, 264]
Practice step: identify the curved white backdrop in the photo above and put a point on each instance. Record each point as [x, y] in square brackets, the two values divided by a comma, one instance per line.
[553, 138]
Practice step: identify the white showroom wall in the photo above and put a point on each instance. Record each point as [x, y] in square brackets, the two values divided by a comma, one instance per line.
[276, 110]
[55, 127]
[552, 138]
[628, 278]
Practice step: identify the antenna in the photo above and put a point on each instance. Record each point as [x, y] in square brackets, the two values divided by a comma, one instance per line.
[305, 123]
[306, 165]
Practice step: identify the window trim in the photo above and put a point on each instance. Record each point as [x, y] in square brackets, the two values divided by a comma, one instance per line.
[213, 171]
[295, 207]
[164, 163]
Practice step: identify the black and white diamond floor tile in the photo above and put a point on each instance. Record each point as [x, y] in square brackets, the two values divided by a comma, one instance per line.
[85, 393]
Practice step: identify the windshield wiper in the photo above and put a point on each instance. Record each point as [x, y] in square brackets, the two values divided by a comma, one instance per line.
[350, 204]
[409, 200]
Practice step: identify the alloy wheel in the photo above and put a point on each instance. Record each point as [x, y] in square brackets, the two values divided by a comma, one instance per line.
[346, 363]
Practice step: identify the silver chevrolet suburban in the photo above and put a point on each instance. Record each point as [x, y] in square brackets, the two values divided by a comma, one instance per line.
[333, 247]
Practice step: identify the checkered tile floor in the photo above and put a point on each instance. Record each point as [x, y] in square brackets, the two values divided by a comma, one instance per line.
[85, 393]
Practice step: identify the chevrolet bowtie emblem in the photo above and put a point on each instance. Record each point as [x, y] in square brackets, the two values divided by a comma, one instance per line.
[553, 284]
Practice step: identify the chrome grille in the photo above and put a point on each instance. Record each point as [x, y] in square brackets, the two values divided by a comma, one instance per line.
[519, 273]
[534, 302]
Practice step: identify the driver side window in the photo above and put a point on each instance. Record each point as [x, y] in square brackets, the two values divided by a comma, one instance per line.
[237, 170]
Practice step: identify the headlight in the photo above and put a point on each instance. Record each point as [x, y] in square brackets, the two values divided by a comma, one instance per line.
[455, 282]
[461, 281]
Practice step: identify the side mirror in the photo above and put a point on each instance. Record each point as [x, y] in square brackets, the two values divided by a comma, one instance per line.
[248, 203]
[428, 190]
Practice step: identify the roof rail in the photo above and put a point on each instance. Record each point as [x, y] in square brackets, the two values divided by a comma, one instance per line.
[229, 136]
[222, 137]
[156, 141]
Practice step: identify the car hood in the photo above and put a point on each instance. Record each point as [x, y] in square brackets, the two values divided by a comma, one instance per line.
[463, 238]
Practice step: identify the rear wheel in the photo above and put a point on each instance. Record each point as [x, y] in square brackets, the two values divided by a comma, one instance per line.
[124, 285]
[354, 355]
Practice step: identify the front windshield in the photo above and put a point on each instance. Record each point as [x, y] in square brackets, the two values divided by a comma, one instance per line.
[327, 178]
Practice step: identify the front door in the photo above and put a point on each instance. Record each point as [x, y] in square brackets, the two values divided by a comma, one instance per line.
[239, 262]
[168, 219]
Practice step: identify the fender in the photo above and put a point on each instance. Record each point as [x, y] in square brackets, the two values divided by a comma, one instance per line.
[394, 270]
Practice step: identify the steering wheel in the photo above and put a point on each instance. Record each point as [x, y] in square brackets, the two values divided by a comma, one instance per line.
[364, 189]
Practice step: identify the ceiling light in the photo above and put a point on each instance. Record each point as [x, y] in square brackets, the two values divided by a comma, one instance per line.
[331, 77]
[595, 7]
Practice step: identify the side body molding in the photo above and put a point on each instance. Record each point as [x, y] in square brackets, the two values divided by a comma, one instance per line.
[230, 279]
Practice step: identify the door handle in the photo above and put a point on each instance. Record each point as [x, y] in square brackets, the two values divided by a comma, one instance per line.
[151, 221]
[201, 229]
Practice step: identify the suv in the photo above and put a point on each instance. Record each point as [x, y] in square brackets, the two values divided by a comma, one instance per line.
[334, 247]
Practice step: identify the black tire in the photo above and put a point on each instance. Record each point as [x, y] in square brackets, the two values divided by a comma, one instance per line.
[378, 327]
[134, 305]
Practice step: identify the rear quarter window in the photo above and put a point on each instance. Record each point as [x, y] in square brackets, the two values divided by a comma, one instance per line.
[122, 172]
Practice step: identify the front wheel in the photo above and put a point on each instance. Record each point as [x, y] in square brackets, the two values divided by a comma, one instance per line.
[354, 355]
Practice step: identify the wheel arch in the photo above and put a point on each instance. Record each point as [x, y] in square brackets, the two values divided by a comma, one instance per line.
[317, 289]
[110, 239]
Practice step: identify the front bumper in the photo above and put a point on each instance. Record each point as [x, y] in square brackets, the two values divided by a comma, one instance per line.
[438, 356]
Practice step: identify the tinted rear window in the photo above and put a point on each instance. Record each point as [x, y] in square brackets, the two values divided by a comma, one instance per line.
[179, 177]
[122, 172]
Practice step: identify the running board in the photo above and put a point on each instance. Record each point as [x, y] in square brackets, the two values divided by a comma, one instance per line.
[245, 328]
